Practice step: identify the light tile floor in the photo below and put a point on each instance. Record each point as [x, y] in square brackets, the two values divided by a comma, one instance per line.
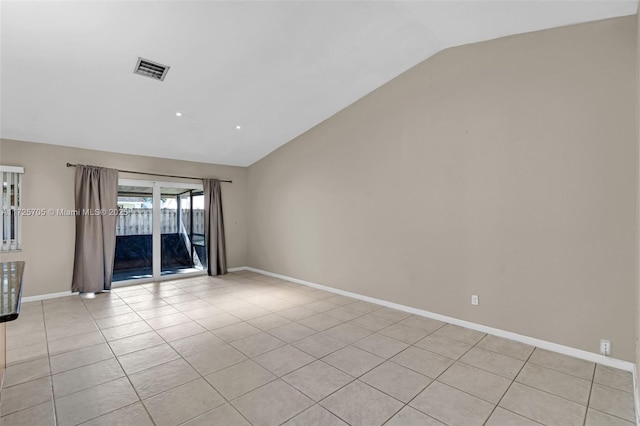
[246, 349]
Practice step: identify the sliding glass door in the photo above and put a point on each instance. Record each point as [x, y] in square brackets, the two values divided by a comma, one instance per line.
[134, 232]
[182, 230]
[160, 232]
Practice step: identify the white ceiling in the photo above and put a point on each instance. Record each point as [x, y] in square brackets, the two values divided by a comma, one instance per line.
[276, 68]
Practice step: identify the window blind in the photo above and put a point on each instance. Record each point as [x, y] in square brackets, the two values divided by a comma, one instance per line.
[11, 201]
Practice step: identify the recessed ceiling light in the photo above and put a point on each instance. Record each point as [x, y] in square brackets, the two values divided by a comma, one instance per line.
[238, 127]
[178, 114]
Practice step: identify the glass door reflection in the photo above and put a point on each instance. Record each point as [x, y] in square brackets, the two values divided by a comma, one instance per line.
[182, 230]
[134, 233]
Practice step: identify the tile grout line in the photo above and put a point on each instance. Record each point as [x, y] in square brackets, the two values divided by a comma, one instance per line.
[550, 393]
[53, 394]
[507, 391]
[525, 363]
[356, 379]
[593, 382]
[168, 343]
[245, 321]
[50, 376]
[253, 360]
[586, 411]
[610, 387]
[227, 401]
[612, 415]
[393, 362]
[125, 375]
[439, 375]
[405, 404]
[560, 371]
[390, 360]
[309, 408]
[249, 293]
[112, 411]
[315, 359]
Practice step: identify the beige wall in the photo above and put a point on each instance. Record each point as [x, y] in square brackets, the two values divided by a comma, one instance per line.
[48, 242]
[505, 169]
[638, 199]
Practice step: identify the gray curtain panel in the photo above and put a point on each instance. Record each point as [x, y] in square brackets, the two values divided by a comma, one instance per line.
[214, 228]
[97, 200]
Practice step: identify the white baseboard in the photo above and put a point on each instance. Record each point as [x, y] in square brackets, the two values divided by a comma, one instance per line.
[48, 296]
[543, 344]
[566, 350]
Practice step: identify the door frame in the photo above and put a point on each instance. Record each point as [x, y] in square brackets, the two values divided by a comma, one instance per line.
[156, 245]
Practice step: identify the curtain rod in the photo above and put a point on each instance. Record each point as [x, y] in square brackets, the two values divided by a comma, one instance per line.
[152, 174]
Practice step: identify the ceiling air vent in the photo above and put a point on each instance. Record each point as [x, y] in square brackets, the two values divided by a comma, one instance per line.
[151, 69]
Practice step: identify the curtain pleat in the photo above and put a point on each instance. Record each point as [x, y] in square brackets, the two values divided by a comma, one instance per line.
[96, 193]
[214, 228]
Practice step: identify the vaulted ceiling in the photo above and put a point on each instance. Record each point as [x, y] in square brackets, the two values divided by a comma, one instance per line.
[247, 77]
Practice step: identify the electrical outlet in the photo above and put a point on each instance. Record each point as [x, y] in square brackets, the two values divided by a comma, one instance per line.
[605, 347]
[474, 299]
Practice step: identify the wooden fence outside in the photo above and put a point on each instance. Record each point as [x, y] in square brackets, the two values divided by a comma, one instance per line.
[140, 221]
